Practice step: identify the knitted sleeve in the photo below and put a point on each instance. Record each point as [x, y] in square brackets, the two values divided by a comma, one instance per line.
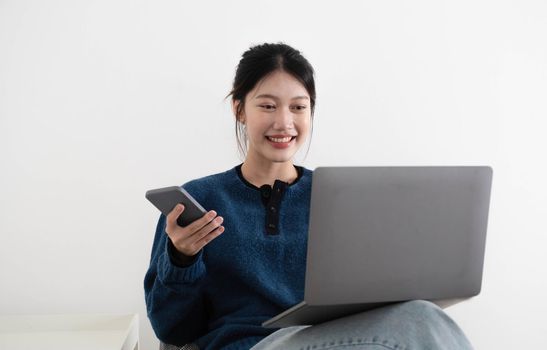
[174, 298]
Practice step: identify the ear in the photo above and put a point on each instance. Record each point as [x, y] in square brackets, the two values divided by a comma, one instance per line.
[241, 117]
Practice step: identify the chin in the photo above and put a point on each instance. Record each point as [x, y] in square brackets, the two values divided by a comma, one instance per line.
[280, 158]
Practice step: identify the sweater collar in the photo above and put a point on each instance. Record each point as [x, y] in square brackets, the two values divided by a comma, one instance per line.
[299, 170]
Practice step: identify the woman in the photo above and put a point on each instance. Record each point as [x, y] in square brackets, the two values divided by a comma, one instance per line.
[213, 282]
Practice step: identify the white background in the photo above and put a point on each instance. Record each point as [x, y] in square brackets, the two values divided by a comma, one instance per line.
[102, 100]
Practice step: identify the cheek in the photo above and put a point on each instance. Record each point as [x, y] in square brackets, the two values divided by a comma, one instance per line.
[304, 125]
[256, 129]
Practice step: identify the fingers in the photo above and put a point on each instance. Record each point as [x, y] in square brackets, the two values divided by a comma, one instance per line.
[205, 230]
[171, 222]
[201, 222]
[208, 238]
[195, 243]
[190, 239]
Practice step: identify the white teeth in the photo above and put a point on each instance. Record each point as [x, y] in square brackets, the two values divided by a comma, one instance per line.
[285, 139]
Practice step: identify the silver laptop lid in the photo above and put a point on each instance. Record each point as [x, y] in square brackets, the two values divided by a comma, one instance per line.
[396, 233]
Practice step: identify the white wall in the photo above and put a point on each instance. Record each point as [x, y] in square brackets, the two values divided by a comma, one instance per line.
[100, 101]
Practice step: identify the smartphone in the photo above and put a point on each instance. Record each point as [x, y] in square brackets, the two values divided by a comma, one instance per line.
[166, 198]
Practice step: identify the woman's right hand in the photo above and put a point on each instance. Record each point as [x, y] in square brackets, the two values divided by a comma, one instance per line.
[190, 239]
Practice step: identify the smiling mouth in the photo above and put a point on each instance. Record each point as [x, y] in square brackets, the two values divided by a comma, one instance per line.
[281, 139]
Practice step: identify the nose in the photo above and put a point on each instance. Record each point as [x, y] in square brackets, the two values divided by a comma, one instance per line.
[284, 119]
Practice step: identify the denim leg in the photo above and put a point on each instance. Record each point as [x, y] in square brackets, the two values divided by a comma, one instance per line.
[412, 325]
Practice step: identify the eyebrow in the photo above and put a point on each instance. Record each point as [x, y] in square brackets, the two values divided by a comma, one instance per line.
[277, 98]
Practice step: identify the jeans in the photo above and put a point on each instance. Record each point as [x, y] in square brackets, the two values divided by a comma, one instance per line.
[410, 325]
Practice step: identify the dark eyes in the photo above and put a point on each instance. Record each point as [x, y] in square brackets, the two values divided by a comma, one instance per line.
[272, 107]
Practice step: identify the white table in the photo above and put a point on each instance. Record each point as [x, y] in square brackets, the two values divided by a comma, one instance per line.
[75, 332]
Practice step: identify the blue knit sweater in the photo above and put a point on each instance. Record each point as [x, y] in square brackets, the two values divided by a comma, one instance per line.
[250, 273]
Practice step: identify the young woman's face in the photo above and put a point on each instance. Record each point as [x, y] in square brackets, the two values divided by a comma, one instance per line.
[277, 117]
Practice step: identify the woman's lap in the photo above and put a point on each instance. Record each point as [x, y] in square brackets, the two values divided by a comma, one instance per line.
[403, 326]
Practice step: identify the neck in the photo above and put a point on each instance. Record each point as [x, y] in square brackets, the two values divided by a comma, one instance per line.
[266, 172]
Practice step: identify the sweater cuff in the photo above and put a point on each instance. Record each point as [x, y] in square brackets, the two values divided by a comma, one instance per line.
[170, 273]
[177, 258]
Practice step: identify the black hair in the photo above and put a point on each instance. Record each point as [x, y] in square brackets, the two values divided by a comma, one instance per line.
[259, 61]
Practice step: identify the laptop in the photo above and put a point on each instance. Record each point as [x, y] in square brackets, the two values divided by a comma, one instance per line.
[380, 235]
